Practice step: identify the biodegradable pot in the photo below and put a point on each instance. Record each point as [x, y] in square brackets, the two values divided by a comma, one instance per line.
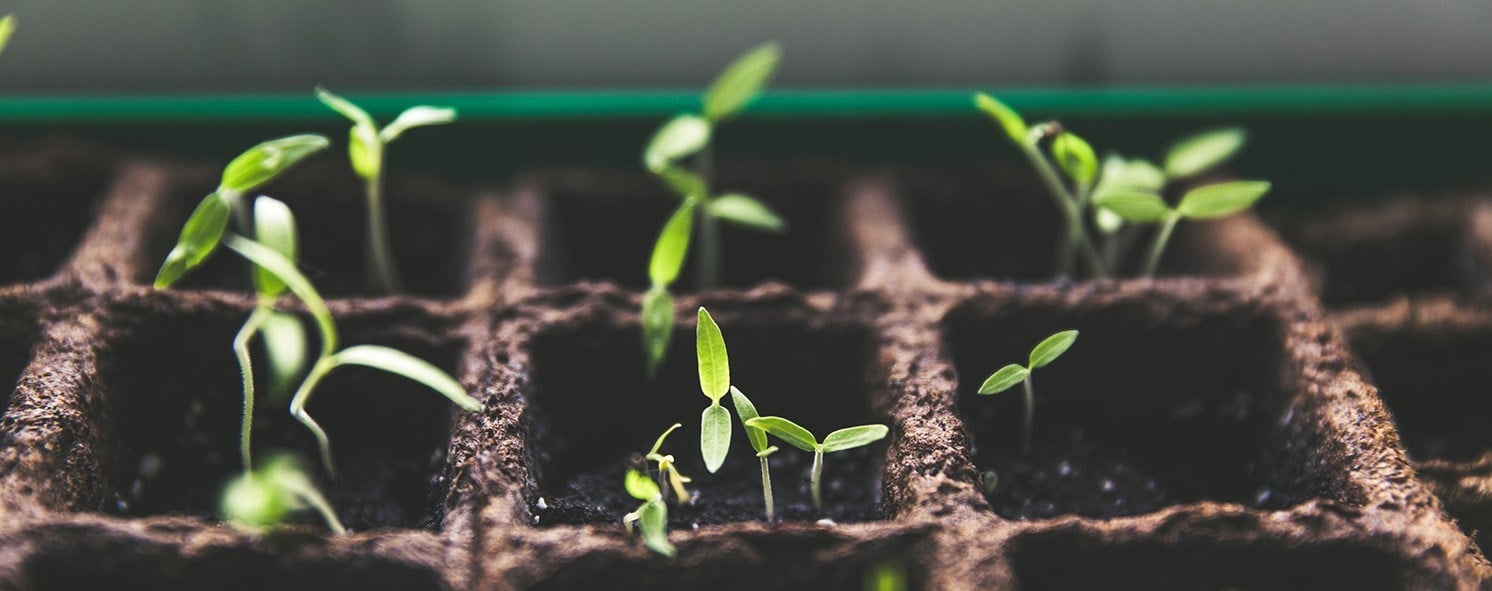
[1208, 430]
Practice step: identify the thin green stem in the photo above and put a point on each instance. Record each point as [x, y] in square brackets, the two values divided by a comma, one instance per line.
[1028, 417]
[383, 274]
[1077, 235]
[708, 272]
[1159, 246]
[313, 497]
[767, 487]
[324, 365]
[241, 350]
[818, 470]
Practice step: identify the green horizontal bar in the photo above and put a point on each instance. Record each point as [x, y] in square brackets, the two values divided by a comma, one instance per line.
[944, 102]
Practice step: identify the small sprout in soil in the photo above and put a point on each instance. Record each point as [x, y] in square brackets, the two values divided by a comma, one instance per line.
[714, 381]
[668, 471]
[687, 137]
[330, 358]
[365, 147]
[887, 575]
[797, 436]
[746, 411]
[652, 517]
[7, 27]
[1045, 352]
[264, 498]
[1202, 203]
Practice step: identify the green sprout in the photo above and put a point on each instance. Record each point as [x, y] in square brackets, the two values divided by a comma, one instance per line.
[685, 137]
[1045, 352]
[714, 381]
[7, 27]
[652, 517]
[1202, 203]
[1081, 189]
[365, 147]
[264, 498]
[796, 436]
[668, 471]
[746, 411]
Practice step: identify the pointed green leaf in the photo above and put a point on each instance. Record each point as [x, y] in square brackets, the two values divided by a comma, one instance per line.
[274, 226]
[714, 364]
[657, 325]
[7, 27]
[398, 362]
[640, 486]
[679, 138]
[1220, 200]
[1004, 378]
[286, 348]
[1009, 120]
[853, 437]
[672, 246]
[789, 432]
[356, 114]
[199, 238]
[1200, 152]
[262, 163]
[684, 184]
[653, 522]
[1052, 347]
[740, 81]
[421, 116]
[1144, 208]
[714, 436]
[1076, 158]
[746, 411]
[746, 211]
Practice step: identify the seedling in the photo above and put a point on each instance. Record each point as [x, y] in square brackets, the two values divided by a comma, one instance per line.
[1045, 352]
[365, 147]
[264, 498]
[796, 436]
[1202, 203]
[668, 471]
[687, 137]
[714, 381]
[745, 411]
[652, 517]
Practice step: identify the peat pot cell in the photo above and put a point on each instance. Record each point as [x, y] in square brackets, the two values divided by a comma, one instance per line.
[603, 227]
[428, 228]
[1141, 413]
[1435, 383]
[592, 407]
[1001, 224]
[1405, 247]
[50, 192]
[1073, 561]
[777, 562]
[16, 337]
[173, 399]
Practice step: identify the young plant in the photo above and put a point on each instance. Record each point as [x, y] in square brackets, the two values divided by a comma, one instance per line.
[668, 471]
[1045, 352]
[714, 381]
[1202, 203]
[652, 517]
[745, 411]
[797, 436]
[684, 138]
[365, 147]
[265, 497]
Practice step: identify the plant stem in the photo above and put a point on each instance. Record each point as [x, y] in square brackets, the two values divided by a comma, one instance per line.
[382, 274]
[1077, 236]
[241, 350]
[818, 470]
[313, 497]
[323, 366]
[1029, 416]
[708, 272]
[767, 488]
[1159, 246]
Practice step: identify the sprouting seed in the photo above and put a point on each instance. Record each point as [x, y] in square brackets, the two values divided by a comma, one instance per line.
[668, 470]
[796, 436]
[1045, 352]
[265, 497]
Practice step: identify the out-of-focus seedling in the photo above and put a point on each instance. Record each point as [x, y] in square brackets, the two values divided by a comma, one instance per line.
[668, 470]
[652, 517]
[7, 27]
[886, 575]
[265, 497]
[1045, 352]
[797, 436]
[1202, 203]
[365, 146]
[687, 137]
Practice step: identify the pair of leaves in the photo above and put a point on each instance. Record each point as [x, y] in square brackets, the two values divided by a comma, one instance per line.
[1202, 203]
[1203, 151]
[652, 517]
[366, 141]
[796, 436]
[1043, 354]
[714, 381]
[266, 496]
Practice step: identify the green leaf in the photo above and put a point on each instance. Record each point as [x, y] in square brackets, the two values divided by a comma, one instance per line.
[679, 138]
[788, 431]
[1220, 200]
[283, 268]
[657, 445]
[365, 152]
[1135, 175]
[262, 163]
[685, 184]
[286, 347]
[359, 117]
[1076, 158]
[653, 521]
[7, 27]
[1052, 347]
[640, 486]
[1200, 152]
[398, 362]
[657, 325]
[274, 226]
[746, 211]
[1004, 378]
[421, 116]
[199, 238]
[1011, 121]
[672, 246]
[746, 411]
[740, 81]
[714, 364]
[853, 437]
[714, 436]
[1135, 207]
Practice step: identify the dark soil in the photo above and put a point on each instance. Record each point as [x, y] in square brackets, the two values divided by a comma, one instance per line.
[50, 191]
[1436, 383]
